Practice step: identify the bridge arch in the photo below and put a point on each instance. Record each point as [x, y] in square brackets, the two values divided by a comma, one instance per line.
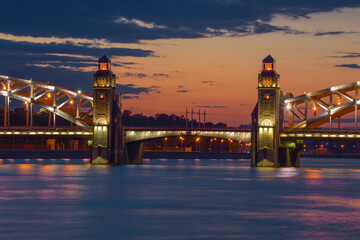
[72, 105]
[149, 135]
[329, 100]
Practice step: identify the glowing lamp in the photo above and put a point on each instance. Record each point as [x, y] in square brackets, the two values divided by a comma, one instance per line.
[267, 97]
[288, 106]
[104, 64]
[268, 66]
[314, 108]
[268, 63]
[49, 95]
[338, 103]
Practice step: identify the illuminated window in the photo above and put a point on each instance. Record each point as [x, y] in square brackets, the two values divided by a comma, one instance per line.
[267, 82]
[103, 66]
[268, 66]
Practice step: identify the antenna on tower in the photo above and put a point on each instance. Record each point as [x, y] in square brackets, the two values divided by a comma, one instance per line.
[192, 118]
[199, 119]
[186, 116]
[204, 118]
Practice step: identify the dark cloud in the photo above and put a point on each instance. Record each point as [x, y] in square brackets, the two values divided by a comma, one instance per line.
[355, 66]
[347, 55]
[68, 48]
[244, 105]
[161, 75]
[61, 64]
[134, 20]
[138, 75]
[331, 33]
[130, 97]
[133, 89]
[182, 91]
[206, 106]
[143, 75]
[211, 83]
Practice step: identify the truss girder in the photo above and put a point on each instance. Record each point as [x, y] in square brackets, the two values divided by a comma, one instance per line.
[331, 111]
[35, 92]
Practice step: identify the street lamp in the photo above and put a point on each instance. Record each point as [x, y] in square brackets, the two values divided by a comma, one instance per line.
[165, 140]
[221, 142]
[196, 144]
[182, 141]
[27, 113]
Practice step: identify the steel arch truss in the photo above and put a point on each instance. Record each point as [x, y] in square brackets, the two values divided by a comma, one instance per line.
[325, 106]
[64, 102]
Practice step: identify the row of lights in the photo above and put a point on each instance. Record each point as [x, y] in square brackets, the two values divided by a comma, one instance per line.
[46, 133]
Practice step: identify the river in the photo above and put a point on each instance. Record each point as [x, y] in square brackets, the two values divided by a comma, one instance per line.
[181, 199]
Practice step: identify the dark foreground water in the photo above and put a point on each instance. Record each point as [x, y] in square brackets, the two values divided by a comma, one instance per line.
[181, 199]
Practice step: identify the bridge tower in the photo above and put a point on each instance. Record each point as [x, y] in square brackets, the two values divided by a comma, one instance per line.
[108, 143]
[267, 117]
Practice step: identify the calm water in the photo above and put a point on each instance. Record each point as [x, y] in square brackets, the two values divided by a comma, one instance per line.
[181, 199]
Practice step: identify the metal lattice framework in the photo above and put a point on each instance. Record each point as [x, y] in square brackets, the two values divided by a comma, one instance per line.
[69, 104]
[323, 107]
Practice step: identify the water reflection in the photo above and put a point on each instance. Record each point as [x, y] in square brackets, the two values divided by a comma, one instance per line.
[178, 199]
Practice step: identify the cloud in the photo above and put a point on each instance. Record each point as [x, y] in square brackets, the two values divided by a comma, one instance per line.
[133, 89]
[125, 21]
[181, 89]
[129, 97]
[355, 66]
[138, 23]
[244, 105]
[137, 75]
[206, 106]
[332, 33]
[161, 75]
[211, 83]
[154, 76]
[347, 55]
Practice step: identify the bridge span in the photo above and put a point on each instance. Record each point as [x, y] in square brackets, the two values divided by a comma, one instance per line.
[276, 139]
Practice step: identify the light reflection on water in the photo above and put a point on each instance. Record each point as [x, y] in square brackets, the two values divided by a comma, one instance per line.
[180, 199]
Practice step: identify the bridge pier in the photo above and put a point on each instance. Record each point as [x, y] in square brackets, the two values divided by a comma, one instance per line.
[135, 152]
[289, 153]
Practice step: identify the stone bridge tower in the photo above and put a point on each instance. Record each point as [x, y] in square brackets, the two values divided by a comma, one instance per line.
[108, 138]
[267, 117]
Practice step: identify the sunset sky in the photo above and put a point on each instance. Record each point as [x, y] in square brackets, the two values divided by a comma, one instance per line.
[169, 55]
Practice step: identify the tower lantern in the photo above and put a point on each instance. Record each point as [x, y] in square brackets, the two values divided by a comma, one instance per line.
[268, 64]
[104, 64]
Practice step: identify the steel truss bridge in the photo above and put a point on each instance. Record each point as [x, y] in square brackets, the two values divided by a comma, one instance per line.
[309, 111]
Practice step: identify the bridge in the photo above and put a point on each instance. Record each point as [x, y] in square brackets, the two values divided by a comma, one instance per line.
[96, 118]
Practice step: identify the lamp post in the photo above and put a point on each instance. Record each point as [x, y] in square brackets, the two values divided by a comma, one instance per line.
[182, 141]
[27, 113]
[211, 140]
[221, 142]
[230, 143]
[165, 141]
[196, 144]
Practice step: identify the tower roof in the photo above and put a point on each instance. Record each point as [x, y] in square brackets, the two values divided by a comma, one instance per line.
[268, 59]
[104, 59]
